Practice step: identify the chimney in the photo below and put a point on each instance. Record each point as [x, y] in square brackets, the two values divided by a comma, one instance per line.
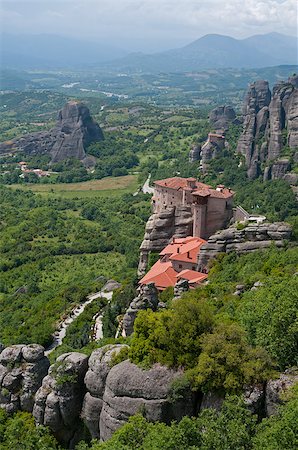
[188, 255]
[178, 250]
[191, 183]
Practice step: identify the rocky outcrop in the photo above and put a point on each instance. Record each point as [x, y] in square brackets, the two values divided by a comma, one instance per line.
[195, 153]
[147, 299]
[22, 369]
[160, 228]
[252, 237]
[276, 390]
[181, 287]
[99, 366]
[221, 117]
[212, 148]
[270, 123]
[130, 390]
[58, 402]
[75, 129]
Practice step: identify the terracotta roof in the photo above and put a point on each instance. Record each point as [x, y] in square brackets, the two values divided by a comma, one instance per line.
[201, 189]
[162, 274]
[175, 244]
[178, 182]
[192, 276]
[188, 252]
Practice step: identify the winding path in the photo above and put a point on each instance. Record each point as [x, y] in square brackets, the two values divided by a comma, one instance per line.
[59, 335]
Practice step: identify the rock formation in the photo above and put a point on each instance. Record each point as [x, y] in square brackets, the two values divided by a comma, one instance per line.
[75, 129]
[160, 228]
[95, 380]
[146, 299]
[212, 148]
[22, 369]
[195, 153]
[130, 389]
[252, 237]
[268, 119]
[181, 287]
[58, 402]
[221, 117]
[276, 389]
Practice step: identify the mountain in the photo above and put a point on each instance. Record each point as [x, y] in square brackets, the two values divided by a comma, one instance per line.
[215, 51]
[50, 51]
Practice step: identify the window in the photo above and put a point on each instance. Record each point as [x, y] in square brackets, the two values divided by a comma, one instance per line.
[193, 267]
[180, 266]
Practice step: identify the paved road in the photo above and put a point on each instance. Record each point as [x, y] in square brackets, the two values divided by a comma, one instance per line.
[59, 335]
[146, 188]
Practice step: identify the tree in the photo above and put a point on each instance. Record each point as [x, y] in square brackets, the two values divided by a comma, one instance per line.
[227, 362]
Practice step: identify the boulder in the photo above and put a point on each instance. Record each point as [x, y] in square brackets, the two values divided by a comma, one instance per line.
[95, 379]
[58, 402]
[147, 298]
[130, 389]
[276, 390]
[22, 369]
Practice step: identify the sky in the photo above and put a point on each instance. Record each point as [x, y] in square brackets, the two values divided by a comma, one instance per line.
[148, 25]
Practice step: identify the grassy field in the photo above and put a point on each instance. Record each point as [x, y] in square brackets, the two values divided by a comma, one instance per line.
[107, 186]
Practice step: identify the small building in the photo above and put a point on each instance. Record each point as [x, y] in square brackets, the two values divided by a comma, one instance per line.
[177, 261]
[211, 208]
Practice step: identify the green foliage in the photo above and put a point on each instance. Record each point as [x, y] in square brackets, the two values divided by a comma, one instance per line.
[231, 428]
[19, 432]
[279, 432]
[171, 337]
[52, 256]
[227, 362]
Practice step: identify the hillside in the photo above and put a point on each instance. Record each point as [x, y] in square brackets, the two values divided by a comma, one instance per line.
[215, 51]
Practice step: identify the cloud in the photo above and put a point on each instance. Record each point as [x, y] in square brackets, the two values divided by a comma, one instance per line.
[154, 23]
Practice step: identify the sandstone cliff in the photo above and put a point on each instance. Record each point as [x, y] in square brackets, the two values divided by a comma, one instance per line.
[252, 237]
[160, 229]
[270, 123]
[22, 369]
[75, 129]
[221, 117]
[77, 387]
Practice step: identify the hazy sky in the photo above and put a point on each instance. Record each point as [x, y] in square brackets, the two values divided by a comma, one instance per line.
[148, 25]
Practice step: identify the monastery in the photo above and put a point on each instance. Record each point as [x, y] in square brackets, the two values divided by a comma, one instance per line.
[211, 208]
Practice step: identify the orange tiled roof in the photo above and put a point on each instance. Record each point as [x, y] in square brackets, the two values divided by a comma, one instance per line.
[162, 274]
[178, 183]
[188, 252]
[175, 244]
[201, 189]
[192, 276]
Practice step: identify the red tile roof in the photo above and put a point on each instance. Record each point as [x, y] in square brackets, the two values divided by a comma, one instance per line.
[201, 189]
[178, 183]
[162, 274]
[192, 276]
[188, 251]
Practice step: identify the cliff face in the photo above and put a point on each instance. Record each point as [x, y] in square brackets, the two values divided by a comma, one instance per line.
[160, 229]
[268, 118]
[251, 238]
[221, 117]
[77, 387]
[74, 130]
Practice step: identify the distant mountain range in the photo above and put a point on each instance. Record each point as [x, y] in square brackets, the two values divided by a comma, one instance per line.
[211, 51]
[215, 51]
